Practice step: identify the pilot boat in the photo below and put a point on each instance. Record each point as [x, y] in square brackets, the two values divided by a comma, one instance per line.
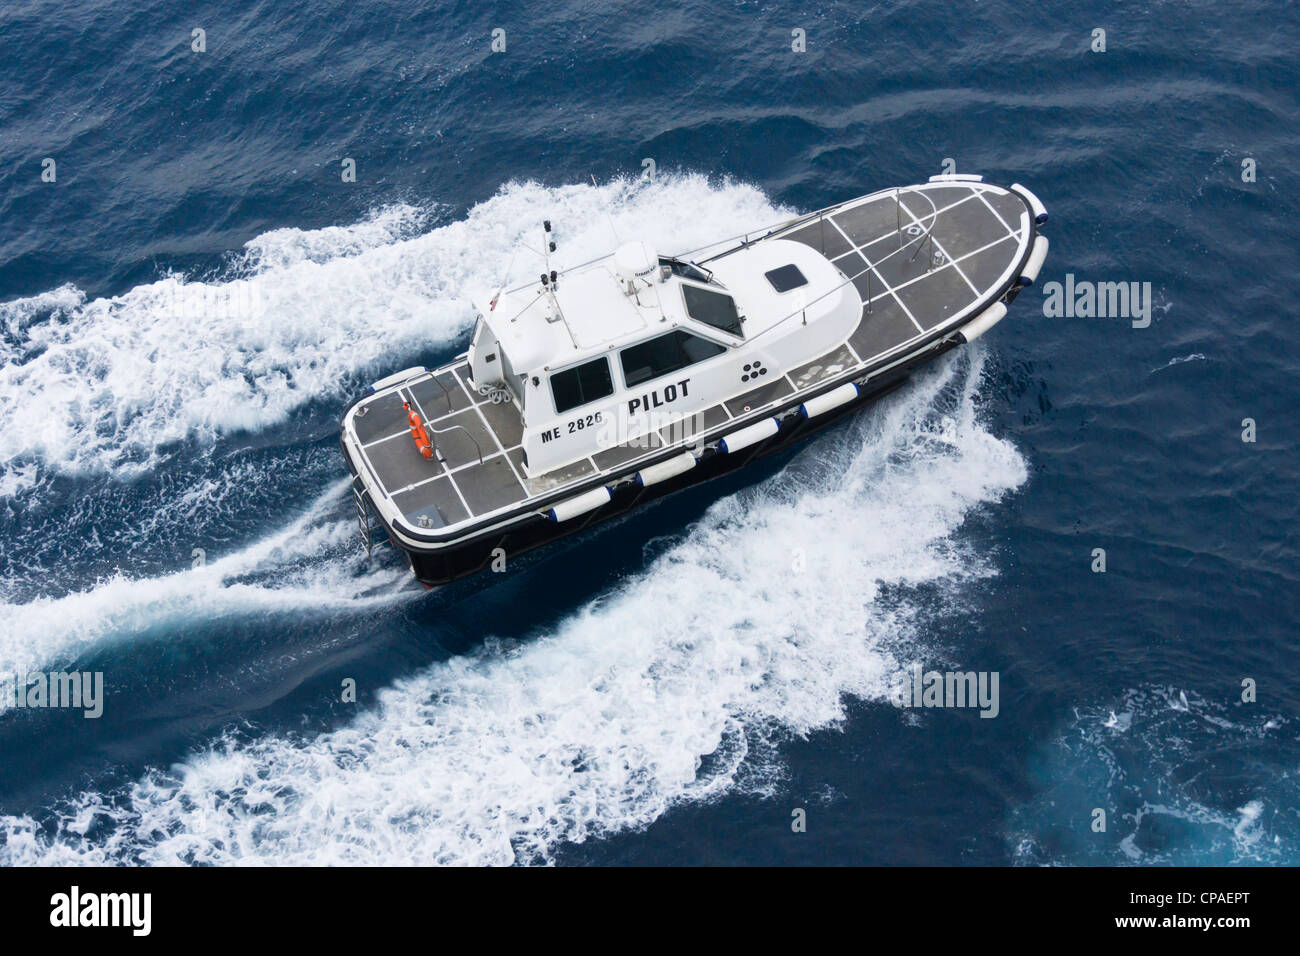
[594, 390]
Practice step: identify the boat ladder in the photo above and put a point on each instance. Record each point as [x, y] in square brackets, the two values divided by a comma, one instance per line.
[365, 522]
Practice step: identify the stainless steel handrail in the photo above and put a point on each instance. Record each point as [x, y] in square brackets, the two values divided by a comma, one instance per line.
[446, 394]
[442, 431]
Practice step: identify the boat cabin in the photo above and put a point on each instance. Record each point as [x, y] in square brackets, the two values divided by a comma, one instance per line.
[637, 345]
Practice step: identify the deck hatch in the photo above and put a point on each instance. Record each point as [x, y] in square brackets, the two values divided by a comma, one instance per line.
[786, 278]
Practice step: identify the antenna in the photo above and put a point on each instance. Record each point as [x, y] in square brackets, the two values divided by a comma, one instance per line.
[492, 306]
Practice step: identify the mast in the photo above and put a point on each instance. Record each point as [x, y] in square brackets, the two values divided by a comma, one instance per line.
[550, 279]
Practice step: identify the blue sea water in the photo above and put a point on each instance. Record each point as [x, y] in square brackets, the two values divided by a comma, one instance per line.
[185, 311]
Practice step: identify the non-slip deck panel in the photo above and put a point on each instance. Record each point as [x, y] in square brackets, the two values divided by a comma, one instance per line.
[503, 419]
[556, 478]
[635, 448]
[398, 463]
[827, 366]
[962, 229]
[1008, 206]
[884, 328]
[693, 425]
[986, 267]
[870, 221]
[489, 486]
[379, 418]
[942, 295]
[904, 266]
[432, 505]
[823, 237]
[439, 397]
[758, 397]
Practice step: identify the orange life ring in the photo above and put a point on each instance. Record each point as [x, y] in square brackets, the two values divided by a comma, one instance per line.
[421, 436]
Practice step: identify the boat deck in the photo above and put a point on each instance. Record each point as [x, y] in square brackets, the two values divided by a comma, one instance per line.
[977, 232]
[960, 242]
[477, 467]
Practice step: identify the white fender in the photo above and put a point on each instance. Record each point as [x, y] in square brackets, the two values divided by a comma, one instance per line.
[957, 178]
[665, 469]
[1040, 211]
[578, 504]
[750, 435]
[1035, 262]
[396, 377]
[983, 322]
[832, 399]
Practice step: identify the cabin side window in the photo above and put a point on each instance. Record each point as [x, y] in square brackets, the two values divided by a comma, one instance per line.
[712, 308]
[665, 354]
[581, 384]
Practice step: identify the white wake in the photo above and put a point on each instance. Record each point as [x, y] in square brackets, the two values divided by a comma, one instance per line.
[760, 621]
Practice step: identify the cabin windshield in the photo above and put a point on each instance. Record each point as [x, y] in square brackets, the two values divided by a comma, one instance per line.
[716, 309]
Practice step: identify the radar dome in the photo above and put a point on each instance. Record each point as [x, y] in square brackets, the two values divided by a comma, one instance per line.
[635, 260]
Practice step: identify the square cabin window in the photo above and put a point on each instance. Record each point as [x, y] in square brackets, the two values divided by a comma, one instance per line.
[581, 384]
[664, 354]
[786, 278]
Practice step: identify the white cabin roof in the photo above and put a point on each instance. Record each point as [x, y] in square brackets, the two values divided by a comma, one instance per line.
[599, 315]
[765, 307]
[596, 308]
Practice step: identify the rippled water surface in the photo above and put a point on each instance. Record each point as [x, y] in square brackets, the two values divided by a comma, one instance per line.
[186, 310]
